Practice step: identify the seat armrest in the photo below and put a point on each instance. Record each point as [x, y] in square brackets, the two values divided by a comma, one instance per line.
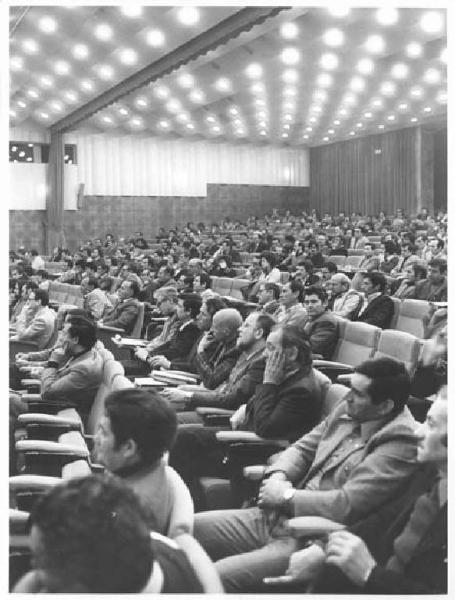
[45, 419]
[109, 328]
[344, 379]
[202, 411]
[331, 364]
[36, 405]
[78, 468]
[308, 526]
[254, 472]
[233, 437]
[18, 483]
[56, 448]
[18, 521]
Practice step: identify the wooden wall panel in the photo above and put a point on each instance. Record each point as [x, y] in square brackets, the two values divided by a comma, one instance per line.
[122, 216]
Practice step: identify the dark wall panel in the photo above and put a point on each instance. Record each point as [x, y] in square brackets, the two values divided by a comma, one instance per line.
[123, 216]
[440, 170]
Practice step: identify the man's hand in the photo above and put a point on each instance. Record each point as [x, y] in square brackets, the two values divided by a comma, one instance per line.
[21, 356]
[238, 418]
[175, 395]
[141, 354]
[274, 367]
[159, 361]
[205, 341]
[350, 554]
[57, 355]
[304, 566]
[271, 492]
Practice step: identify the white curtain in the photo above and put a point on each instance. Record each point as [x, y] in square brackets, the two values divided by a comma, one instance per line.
[112, 165]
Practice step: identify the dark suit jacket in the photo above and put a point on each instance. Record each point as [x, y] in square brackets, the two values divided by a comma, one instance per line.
[124, 315]
[379, 312]
[323, 334]
[180, 344]
[286, 410]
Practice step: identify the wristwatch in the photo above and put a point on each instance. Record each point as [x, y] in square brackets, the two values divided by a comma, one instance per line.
[288, 496]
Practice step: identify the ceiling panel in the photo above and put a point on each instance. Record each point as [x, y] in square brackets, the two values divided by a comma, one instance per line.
[307, 76]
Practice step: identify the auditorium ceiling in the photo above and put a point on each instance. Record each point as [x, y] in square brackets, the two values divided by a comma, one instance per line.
[306, 76]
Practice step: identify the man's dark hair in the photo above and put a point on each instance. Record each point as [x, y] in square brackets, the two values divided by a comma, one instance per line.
[266, 323]
[146, 418]
[411, 247]
[307, 263]
[268, 285]
[42, 296]
[377, 279]
[43, 273]
[297, 286]
[106, 284]
[270, 257]
[420, 270]
[80, 263]
[204, 278]
[167, 269]
[440, 263]
[192, 303]
[134, 287]
[85, 330]
[293, 337]
[318, 291]
[390, 379]
[331, 267]
[77, 313]
[69, 263]
[34, 252]
[214, 305]
[92, 281]
[32, 285]
[94, 537]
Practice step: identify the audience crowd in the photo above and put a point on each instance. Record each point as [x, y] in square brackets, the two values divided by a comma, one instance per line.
[350, 498]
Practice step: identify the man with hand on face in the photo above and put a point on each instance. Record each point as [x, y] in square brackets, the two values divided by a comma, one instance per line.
[40, 329]
[343, 469]
[402, 548]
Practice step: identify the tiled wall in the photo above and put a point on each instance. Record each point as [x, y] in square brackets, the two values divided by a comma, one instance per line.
[123, 216]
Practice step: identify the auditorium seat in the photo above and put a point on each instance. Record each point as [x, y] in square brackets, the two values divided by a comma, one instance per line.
[338, 260]
[396, 311]
[401, 346]
[237, 285]
[356, 252]
[354, 261]
[413, 317]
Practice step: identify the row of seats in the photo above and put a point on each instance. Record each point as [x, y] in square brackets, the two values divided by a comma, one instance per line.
[65, 293]
[232, 286]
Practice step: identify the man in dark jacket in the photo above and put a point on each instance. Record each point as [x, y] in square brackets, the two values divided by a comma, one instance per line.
[321, 327]
[378, 308]
[125, 314]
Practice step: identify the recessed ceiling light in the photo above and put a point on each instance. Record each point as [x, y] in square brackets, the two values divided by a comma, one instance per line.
[106, 72]
[12, 113]
[368, 115]
[29, 158]
[262, 132]
[87, 85]
[16, 63]
[57, 106]
[324, 80]
[30, 46]
[387, 16]
[71, 96]
[46, 81]
[21, 154]
[259, 102]
[416, 92]
[329, 61]
[61, 67]
[197, 96]
[286, 126]
[210, 119]
[375, 44]
[336, 122]
[290, 56]
[262, 124]
[155, 38]
[331, 131]
[432, 22]
[223, 84]
[427, 109]
[414, 119]
[173, 105]
[185, 80]
[287, 118]
[254, 70]
[290, 76]
[320, 95]
[308, 129]
[136, 122]
[103, 32]
[365, 66]
[339, 11]
[414, 50]
[188, 15]
[161, 92]
[290, 91]
[107, 119]
[128, 56]
[141, 102]
[359, 125]
[288, 105]
[237, 122]
[123, 111]
[80, 51]
[325, 139]
[352, 133]
[442, 97]
[32, 93]
[316, 109]
[381, 126]
[216, 129]
[233, 111]
[350, 99]
[343, 112]
[391, 118]
[22, 104]
[377, 103]
[443, 56]
[284, 135]
[388, 88]
[305, 137]
[399, 71]
[131, 11]
[189, 126]
[403, 106]
[261, 115]
[47, 25]
[432, 76]
[357, 84]
[289, 31]
[312, 120]
[164, 124]
[333, 37]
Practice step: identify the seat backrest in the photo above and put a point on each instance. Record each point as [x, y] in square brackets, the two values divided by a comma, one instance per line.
[354, 261]
[52, 340]
[214, 283]
[333, 396]
[284, 277]
[224, 286]
[97, 409]
[358, 343]
[401, 346]
[356, 252]
[136, 333]
[339, 260]
[413, 317]
[396, 311]
[237, 285]
[73, 295]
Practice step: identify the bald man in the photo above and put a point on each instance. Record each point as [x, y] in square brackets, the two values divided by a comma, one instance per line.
[345, 301]
[215, 359]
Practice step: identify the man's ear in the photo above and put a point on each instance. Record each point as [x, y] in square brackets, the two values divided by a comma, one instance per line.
[129, 448]
[387, 406]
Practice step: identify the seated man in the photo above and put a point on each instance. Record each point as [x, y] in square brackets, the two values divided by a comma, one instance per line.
[434, 288]
[166, 301]
[345, 302]
[74, 372]
[292, 311]
[96, 302]
[378, 308]
[125, 314]
[402, 549]
[413, 273]
[321, 327]
[41, 328]
[344, 469]
[110, 550]
[268, 296]
[137, 429]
